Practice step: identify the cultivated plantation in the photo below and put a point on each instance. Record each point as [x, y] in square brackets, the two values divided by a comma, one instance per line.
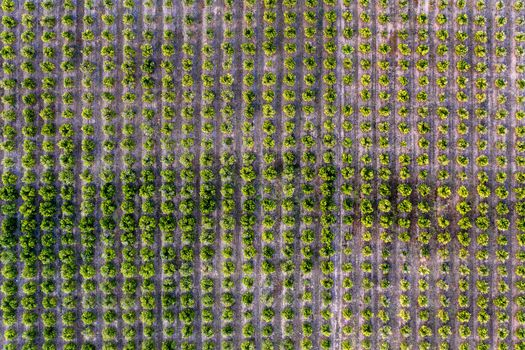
[262, 174]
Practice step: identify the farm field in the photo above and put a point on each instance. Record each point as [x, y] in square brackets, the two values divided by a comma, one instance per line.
[262, 174]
